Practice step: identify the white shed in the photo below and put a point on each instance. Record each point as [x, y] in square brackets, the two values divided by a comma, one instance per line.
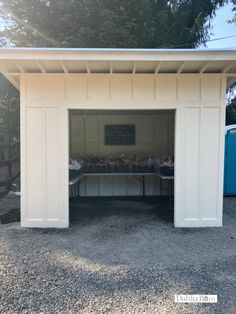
[185, 85]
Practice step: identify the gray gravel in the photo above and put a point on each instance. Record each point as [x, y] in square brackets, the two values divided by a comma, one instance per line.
[128, 259]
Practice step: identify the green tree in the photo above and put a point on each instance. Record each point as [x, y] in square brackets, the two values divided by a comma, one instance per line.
[233, 20]
[231, 112]
[9, 111]
[107, 23]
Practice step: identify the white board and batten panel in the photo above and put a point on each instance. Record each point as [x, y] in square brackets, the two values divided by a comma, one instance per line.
[121, 89]
[43, 154]
[199, 102]
[52, 163]
[202, 174]
[34, 164]
[191, 162]
[210, 147]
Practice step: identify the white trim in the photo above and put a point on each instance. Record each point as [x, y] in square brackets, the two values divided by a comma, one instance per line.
[194, 223]
[40, 223]
[117, 54]
[126, 74]
[130, 75]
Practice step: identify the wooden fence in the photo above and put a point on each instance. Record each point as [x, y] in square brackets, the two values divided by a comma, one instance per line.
[9, 166]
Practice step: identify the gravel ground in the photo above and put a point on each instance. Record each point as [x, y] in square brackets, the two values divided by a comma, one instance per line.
[127, 259]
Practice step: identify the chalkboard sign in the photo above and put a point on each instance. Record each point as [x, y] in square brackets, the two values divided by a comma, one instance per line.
[120, 134]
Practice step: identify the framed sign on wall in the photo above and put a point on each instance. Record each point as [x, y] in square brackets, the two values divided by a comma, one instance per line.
[119, 134]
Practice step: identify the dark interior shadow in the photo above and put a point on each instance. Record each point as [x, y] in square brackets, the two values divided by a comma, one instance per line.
[86, 209]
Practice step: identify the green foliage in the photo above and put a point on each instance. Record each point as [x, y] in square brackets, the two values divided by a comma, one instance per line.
[107, 23]
[231, 112]
[233, 20]
[9, 111]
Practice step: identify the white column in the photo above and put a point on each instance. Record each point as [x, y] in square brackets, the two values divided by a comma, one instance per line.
[44, 158]
[199, 167]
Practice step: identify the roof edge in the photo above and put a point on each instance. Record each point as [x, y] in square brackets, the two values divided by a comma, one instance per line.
[20, 53]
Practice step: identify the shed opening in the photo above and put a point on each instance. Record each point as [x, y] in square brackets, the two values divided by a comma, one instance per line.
[122, 156]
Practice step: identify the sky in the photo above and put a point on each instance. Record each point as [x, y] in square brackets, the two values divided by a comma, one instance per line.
[221, 28]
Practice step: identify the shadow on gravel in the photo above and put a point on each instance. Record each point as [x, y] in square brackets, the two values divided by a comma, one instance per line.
[121, 255]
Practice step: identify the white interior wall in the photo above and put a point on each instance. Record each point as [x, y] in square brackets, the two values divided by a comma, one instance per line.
[199, 100]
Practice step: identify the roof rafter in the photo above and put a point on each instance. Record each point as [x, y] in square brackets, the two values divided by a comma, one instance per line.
[87, 67]
[204, 67]
[39, 65]
[19, 67]
[181, 67]
[227, 67]
[62, 64]
[134, 67]
[158, 67]
[111, 67]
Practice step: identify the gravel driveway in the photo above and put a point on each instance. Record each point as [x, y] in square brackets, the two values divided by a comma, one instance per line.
[122, 260]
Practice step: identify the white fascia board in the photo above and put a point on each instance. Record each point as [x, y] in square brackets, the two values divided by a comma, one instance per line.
[117, 54]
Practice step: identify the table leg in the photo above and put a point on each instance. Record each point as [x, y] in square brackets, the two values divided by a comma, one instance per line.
[143, 181]
[172, 192]
[169, 188]
[160, 187]
[171, 195]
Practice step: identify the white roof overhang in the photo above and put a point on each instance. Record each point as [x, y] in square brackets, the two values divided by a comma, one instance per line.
[15, 61]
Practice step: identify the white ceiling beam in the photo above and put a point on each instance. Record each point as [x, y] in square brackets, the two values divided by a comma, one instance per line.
[11, 73]
[165, 74]
[204, 67]
[39, 65]
[87, 67]
[158, 67]
[181, 67]
[227, 67]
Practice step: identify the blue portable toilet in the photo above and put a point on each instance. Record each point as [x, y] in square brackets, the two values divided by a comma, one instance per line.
[230, 160]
